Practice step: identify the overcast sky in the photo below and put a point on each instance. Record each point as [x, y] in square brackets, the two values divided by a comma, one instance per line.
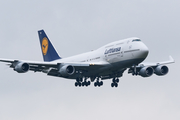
[77, 26]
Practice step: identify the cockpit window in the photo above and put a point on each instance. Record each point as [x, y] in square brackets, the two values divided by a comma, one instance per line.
[136, 40]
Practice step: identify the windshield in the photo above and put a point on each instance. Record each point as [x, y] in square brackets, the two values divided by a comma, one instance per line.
[136, 40]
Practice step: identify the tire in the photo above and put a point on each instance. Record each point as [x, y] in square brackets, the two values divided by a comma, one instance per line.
[83, 84]
[79, 84]
[116, 85]
[76, 84]
[114, 80]
[88, 82]
[117, 80]
[112, 84]
[101, 83]
[95, 84]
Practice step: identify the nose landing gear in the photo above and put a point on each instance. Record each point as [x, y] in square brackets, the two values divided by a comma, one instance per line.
[115, 82]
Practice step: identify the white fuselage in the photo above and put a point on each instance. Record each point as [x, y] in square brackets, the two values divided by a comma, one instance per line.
[119, 54]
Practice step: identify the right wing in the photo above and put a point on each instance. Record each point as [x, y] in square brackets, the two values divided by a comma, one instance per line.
[28, 65]
[51, 68]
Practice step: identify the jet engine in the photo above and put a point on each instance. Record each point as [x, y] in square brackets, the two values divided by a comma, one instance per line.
[146, 71]
[66, 70]
[161, 70]
[21, 67]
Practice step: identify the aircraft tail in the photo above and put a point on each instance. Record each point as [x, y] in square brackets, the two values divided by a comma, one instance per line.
[48, 51]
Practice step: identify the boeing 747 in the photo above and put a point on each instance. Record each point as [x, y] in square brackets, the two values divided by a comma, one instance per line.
[107, 62]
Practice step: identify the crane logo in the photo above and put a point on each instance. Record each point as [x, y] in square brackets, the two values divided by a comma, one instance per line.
[44, 45]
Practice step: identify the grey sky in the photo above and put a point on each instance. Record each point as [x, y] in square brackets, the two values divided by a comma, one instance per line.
[79, 26]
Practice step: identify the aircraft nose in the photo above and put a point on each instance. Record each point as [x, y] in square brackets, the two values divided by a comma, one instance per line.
[144, 51]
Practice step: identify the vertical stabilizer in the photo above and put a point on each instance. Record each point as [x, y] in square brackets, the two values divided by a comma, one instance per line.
[48, 51]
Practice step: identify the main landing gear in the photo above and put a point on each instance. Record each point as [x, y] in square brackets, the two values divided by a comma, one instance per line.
[115, 82]
[98, 83]
[79, 82]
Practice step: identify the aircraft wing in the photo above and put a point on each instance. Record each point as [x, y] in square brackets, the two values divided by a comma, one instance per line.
[147, 69]
[38, 66]
[171, 60]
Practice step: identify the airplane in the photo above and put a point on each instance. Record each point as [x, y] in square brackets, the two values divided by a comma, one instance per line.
[107, 62]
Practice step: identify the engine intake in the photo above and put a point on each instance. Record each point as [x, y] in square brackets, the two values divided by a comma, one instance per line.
[66, 70]
[21, 67]
[161, 70]
[146, 71]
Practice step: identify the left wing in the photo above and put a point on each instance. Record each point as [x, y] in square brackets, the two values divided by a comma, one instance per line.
[147, 69]
[171, 60]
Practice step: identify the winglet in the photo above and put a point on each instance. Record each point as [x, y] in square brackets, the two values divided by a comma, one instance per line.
[171, 59]
[48, 51]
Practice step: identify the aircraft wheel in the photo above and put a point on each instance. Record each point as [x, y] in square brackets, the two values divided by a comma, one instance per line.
[101, 83]
[95, 84]
[88, 82]
[116, 85]
[83, 83]
[117, 80]
[112, 84]
[114, 80]
[80, 84]
[76, 84]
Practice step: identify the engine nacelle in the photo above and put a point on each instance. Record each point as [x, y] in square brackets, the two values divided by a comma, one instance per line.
[21, 67]
[161, 70]
[146, 71]
[66, 70]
